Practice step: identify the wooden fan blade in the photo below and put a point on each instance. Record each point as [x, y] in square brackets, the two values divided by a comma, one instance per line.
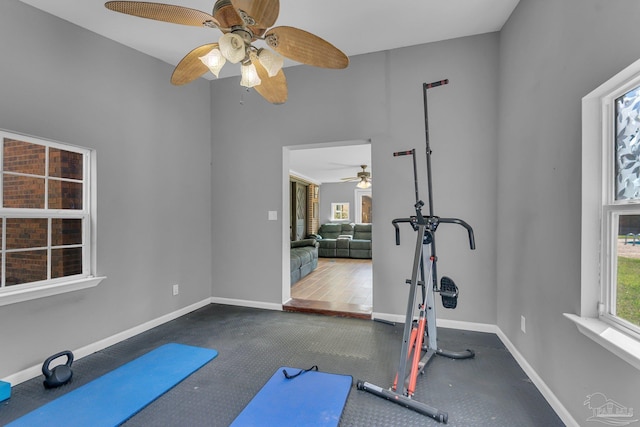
[273, 89]
[302, 46]
[190, 67]
[162, 12]
[258, 13]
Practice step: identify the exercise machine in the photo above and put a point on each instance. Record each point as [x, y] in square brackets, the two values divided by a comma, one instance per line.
[419, 340]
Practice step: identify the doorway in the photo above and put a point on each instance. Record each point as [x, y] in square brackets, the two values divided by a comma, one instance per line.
[338, 285]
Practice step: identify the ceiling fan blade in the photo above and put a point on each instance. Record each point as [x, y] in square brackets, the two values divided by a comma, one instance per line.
[190, 67]
[162, 12]
[273, 89]
[302, 46]
[258, 13]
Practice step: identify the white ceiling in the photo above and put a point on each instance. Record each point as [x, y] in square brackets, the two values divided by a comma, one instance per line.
[330, 164]
[354, 26]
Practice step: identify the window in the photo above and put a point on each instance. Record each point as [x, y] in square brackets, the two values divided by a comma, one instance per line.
[339, 211]
[610, 244]
[45, 218]
[621, 213]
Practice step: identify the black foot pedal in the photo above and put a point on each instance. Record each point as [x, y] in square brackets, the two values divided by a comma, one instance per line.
[448, 292]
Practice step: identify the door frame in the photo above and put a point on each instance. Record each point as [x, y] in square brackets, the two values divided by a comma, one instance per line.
[286, 214]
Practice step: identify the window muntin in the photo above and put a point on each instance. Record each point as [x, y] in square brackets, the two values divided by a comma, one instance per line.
[44, 212]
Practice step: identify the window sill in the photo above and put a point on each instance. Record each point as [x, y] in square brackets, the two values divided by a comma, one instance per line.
[12, 296]
[619, 343]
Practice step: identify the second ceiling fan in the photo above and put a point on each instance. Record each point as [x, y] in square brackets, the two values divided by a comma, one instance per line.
[242, 22]
[363, 177]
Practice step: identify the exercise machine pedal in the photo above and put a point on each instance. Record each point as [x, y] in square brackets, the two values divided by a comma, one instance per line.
[448, 292]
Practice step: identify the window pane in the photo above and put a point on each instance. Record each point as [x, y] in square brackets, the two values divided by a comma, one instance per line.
[627, 147]
[65, 164]
[66, 232]
[24, 157]
[26, 233]
[23, 192]
[25, 267]
[66, 262]
[627, 292]
[65, 195]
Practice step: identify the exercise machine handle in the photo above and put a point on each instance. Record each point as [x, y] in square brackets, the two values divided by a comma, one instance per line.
[395, 225]
[472, 240]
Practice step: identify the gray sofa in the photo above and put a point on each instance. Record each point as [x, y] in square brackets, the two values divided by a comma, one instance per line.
[304, 258]
[343, 240]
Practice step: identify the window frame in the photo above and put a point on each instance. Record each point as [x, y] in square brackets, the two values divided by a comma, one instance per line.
[53, 286]
[598, 220]
[335, 205]
[612, 209]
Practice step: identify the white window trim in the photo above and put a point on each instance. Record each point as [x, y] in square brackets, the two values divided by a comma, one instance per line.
[75, 283]
[589, 320]
[333, 211]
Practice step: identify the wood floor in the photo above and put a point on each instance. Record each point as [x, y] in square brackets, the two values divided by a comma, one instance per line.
[338, 286]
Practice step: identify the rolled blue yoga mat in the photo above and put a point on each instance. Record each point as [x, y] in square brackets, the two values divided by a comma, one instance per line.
[310, 399]
[116, 396]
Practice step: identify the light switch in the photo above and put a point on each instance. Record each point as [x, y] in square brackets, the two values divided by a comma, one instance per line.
[273, 215]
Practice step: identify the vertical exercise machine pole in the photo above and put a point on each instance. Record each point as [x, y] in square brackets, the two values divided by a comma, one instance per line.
[415, 331]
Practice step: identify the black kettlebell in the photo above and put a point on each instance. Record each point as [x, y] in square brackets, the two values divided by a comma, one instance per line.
[59, 375]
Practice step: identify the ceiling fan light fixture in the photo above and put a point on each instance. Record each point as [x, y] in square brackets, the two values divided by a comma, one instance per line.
[364, 183]
[271, 61]
[214, 61]
[232, 47]
[250, 76]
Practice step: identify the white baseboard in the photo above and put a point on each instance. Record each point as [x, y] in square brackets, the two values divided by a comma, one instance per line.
[555, 403]
[442, 323]
[35, 371]
[247, 303]
[467, 326]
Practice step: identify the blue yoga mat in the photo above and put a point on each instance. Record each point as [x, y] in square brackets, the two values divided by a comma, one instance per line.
[116, 396]
[310, 399]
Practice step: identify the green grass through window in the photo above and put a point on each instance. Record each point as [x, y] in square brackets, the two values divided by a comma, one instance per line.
[628, 292]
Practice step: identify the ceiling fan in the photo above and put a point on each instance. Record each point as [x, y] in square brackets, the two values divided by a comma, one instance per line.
[363, 176]
[242, 22]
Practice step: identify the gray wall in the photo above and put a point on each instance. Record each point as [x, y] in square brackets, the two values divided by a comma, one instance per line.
[336, 192]
[153, 142]
[378, 97]
[552, 53]
[506, 150]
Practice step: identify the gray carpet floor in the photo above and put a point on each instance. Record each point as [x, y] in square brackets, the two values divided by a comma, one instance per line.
[488, 390]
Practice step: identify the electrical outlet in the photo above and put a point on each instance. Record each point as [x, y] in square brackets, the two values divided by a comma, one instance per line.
[523, 324]
[176, 289]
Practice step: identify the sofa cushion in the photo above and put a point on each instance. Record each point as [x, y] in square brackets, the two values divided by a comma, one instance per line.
[360, 244]
[346, 228]
[330, 231]
[303, 242]
[296, 262]
[362, 231]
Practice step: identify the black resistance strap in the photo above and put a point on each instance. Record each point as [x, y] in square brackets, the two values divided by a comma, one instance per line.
[302, 371]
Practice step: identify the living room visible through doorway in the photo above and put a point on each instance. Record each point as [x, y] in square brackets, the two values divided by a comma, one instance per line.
[330, 222]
